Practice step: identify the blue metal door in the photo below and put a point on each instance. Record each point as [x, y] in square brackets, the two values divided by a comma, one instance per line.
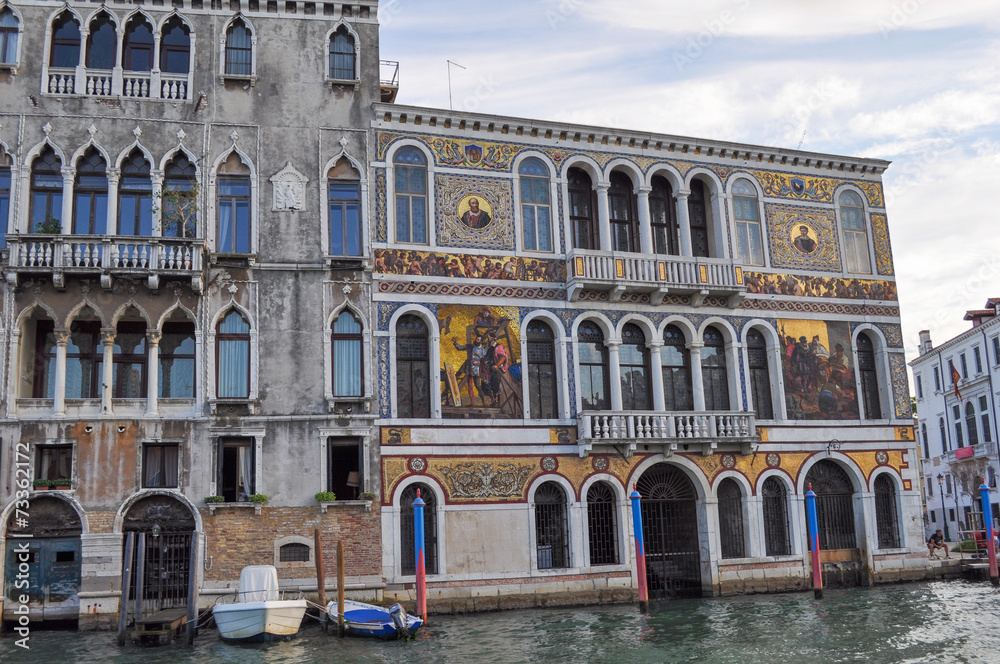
[48, 573]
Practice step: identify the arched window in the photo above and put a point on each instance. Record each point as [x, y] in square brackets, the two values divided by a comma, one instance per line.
[536, 211]
[633, 363]
[175, 47]
[886, 514]
[593, 356]
[176, 368]
[869, 377]
[731, 531]
[834, 505]
[90, 202]
[676, 362]
[239, 49]
[408, 562]
[956, 412]
[342, 56]
[927, 442]
[944, 434]
[44, 360]
[749, 245]
[760, 376]
[233, 199]
[581, 209]
[102, 43]
[180, 198]
[714, 371]
[622, 208]
[65, 51]
[413, 397]
[410, 171]
[9, 30]
[5, 183]
[129, 353]
[135, 196]
[698, 219]
[345, 209]
[348, 358]
[775, 504]
[232, 351]
[663, 217]
[46, 193]
[970, 423]
[138, 52]
[852, 219]
[84, 356]
[551, 527]
[602, 524]
[543, 391]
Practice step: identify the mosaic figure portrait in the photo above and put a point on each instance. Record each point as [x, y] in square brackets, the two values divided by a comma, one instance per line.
[480, 362]
[818, 370]
[475, 212]
[804, 239]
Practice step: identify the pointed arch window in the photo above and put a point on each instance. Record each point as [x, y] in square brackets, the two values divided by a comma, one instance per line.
[593, 358]
[129, 353]
[775, 503]
[233, 200]
[342, 56]
[602, 524]
[410, 177]
[102, 43]
[9, 32]
[90, 195]
[5, 184]
[180, 198]
[622, 208]
[714, 371]
[551, 527]
[138, 52]
[408, 564]
[886, 512]
[581, 209]
[232, 351]
[760, 376]
[65, 51]
[413, 397]
[135, 196]
[663, 217]
[175, 47]
[633, 362]
[970, 423]
[869, 377]
[536, 209]
[543, 394]
[239, 49]
[345, 210]
[176, 369]
[46, 192]
[84, 357]
[698, 219]
[731, 530]
[676, 363]
[43, 385]
[852, 219]
[348, 358]
[749, 245]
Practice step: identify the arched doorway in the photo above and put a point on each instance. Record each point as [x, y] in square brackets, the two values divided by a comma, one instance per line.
[670, 531]
[408, 562]
[161, 557]
[48, 541]
[834, 505]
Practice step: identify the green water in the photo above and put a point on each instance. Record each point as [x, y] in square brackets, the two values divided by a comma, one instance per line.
[926, 622]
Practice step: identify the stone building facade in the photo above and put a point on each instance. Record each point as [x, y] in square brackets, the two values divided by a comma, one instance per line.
[186, 298]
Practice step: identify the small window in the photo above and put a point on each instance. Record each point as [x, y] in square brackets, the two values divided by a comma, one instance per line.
[239, 49]
[9, 31]
[852, 219]
[294, 553]
[159, 466]
[927, 442]
[536, 210]
[930, 488]
[970, 424]
[920, 387]
[714, 370]
[175, 47]
[977, 357]
[344, 468]
[410, 171]
[956, 412]
[348, 358]
[749, 245]
[53, 462]
[139, 45]
[991, 474]
[937, 380]
[996, 350]
[944, 434]
[984, 415]
[65, 52]
[232, 342]
[342, 56]
[65, 556]
[965, 366]
[234, 215]
[236, 469]
[90, 195]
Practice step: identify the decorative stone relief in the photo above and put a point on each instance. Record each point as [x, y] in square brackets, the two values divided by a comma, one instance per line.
[289, 189]
[486, 480]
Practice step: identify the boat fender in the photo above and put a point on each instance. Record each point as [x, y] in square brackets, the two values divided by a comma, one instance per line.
[400, 620]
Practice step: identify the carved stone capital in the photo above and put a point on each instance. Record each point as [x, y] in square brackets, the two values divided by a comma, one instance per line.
[108, 335]
[153, 337]
[62, 336]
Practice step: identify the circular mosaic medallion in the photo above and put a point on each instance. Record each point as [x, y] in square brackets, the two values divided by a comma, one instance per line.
[600, 463]
[549, 464]
[882, 457]
[728, 461]
[418, 465]
[773, 460]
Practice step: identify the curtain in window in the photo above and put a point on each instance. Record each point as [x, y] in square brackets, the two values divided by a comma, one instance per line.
[245, 483]
[347, 356]
[239, 50]
[8, 36]
[234, 357]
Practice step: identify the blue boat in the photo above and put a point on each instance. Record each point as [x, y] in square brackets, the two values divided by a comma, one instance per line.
[362, 619]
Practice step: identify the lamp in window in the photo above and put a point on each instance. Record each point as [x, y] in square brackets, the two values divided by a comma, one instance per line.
[354, 481]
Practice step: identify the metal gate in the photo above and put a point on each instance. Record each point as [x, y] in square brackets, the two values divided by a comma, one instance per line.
[670, 530]
[161, 563]
[408, 564]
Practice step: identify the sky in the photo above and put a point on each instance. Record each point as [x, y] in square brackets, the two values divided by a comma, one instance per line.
[916, 82]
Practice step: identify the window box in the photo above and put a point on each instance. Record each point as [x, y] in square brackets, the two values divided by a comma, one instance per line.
[326, 504]
[245, 505]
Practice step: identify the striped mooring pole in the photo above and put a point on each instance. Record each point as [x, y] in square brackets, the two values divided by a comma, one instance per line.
[418, 544]
[814, 542]
[984, 491]
[640, 549]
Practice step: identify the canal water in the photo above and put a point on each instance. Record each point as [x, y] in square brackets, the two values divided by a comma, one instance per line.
[926, 622]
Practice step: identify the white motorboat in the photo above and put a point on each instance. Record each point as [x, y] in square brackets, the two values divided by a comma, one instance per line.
[258, 614]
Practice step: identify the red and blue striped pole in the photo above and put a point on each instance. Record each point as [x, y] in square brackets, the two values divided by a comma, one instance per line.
[984, 491]
[418, 544]
[814, 542]
[640, 549]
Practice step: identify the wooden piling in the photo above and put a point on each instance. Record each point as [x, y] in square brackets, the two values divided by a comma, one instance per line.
[340, 588]
[140, 573]
[321, 576]
[126, 582]
[192, 607]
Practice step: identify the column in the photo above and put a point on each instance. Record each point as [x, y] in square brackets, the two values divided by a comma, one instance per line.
[67, 200]
[684, 222]
[157, 177]
[108, 335]
[604, 215]
[113, 178]
[614, 374]
[59, 389]
[645, 224]
[656, 367]
[153, 371]
[14, 385]
[697, 382]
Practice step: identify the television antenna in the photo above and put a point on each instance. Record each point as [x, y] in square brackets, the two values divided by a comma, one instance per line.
[450, 63]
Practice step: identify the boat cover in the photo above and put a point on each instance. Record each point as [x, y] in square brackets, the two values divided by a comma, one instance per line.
[258, 583]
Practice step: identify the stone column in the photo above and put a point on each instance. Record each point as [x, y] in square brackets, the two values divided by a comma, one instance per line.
[697, 382]
[153, 371]
[108, 335]
[114, 176]
[656, 367]
[604, 216]
[684, 222]
[645, 221]
[67, 200]
[614, 374]
[157, 177]
[59, 389]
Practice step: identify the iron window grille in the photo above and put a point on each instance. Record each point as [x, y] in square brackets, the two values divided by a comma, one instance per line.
[408, 564]
[775, 504]
[551, 527]
[602, 524]
[886, 512]
[731, 529]
[294, 552]
[413, 397]
[834, 505]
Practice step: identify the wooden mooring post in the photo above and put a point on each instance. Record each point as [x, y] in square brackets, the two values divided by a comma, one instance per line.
[340, 588]
[191, 627]
[140, 573]
[126, 581]
[321, 578]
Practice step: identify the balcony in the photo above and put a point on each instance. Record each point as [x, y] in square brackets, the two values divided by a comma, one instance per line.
[656, 275]
[388, 80]
[702, 431]
[117, 83]
[971, 453]
[94, 255]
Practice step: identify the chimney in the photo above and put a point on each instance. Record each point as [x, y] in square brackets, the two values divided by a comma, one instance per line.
[925, 342]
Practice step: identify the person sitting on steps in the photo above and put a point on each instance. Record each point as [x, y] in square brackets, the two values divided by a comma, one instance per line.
[936, 542]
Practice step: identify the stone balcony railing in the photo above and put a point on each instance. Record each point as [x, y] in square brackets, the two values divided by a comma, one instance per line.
[702, 430]
[971, 452]
[107, 257]
[117, 83]
[619, 273]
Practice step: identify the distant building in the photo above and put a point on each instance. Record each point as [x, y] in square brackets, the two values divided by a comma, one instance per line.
[957, 424]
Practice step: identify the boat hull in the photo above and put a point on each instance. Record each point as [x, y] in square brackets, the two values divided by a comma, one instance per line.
[259, 621]
[368, 620]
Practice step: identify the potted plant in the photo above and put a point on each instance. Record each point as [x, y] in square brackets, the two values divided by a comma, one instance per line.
[326, 497]
[259, 499]
[367, 495]
[62, 483]
[42, 485]
[211, 500]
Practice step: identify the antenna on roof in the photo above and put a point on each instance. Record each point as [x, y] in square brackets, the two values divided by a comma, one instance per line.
[450, 63]
[802, 140]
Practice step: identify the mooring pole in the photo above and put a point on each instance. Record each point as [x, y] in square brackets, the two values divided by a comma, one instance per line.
[984, 491]
[192, 608]
[126, 581]
[640, 549]
[340, 588]
[140, 573]
[418, 545]
[814, 542]
[321, 578]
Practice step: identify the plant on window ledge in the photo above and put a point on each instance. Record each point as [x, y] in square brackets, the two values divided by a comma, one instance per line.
[62, 483]
[326, 497]
[42, 484]
[51, 226]
[214, 499]
[367, 495]
[258, 498]
[179, 208]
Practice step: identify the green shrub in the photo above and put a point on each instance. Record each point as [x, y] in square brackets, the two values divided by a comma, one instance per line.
[258, 498]
[367, 495]
[215, 499]
[39, 484]
[326, 497]
[968, 546]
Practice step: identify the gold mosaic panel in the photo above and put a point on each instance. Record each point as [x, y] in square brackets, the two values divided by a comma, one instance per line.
[803, 238]
[883, 250]
[868, 462]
